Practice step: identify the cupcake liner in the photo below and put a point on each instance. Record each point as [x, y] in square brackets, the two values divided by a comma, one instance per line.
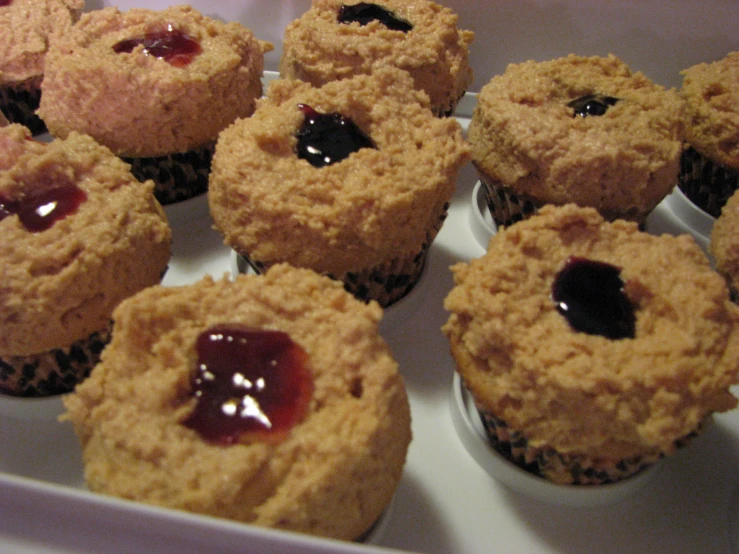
[385, 283]
[507, 207]
[19, 103]
[176, 177]
[53, 372]
[706, 183]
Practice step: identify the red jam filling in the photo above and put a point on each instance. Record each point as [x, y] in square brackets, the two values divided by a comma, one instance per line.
[5, 3]
[327, 138]
[250, 385]
[42, 206]
[590, 295]
[171, 45]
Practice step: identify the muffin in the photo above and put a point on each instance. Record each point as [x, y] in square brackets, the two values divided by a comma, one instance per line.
[710, 162]
[334, 40]
[724, 243]
[80, 233]
[324, 459]
[583, 130]
[156, 87]
[352, 180]
[592, 349]
[28, 27]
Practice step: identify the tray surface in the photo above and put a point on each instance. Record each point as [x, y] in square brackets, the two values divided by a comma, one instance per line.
[446, 501]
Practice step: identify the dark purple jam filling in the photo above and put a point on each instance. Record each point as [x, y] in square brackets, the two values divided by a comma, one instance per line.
[324, 139]
[250, 385]
[5, 3]
[171, 45]
[592, 104]
[590, 295]
[42, 206]
[365, 12]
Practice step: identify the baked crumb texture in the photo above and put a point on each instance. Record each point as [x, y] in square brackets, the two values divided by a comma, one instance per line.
[530, 149]
[332, 476]
[364, 219]
[710, 163]
[597, 407]
[318, 49]
[60, 285]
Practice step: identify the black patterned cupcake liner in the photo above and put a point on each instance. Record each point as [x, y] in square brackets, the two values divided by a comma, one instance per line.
[386, 283]
[19, 103]
[507, 207]
[176, 177]
[705, 183]
[53, 372]
[560, 468]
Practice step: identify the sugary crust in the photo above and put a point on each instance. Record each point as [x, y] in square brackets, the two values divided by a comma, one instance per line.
[335, 472]
[358, 213]
[711, 94]
[60, 285]
[141, 106]
[623, 163]
[318, 49]
[27, 27]
[584, 394]
[724, 244]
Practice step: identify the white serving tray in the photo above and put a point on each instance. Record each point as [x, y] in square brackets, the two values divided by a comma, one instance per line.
[447, 501]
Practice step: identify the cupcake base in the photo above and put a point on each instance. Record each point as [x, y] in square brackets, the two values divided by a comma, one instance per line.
[54, 372]
[707, 184]
[19, 103]
[467, 423]
[176, 177]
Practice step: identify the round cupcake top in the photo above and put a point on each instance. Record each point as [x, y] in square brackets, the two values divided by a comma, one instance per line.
[150, 83]
[28, 26]
[561, 381]
[724, 242]
[577, 129]
[79, 234]
[335, 40]
[332, 473]
[372, 206]
[711, 94]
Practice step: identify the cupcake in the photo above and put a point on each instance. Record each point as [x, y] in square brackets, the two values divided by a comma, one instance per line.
[334, 40]
[79, 235]
[724, 243]
[585, 130]
[156, 87]
[270, 400]
[352, 180]
[591, 349]
[28, 27]
[710, 163]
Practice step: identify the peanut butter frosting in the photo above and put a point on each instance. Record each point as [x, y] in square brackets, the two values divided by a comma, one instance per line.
[711, 94]
[139, 105]
[28, 27]
[585, 394]
[333, 474]
[371, 207]
[724, 242]
[318, 49]
[623, 163]
[61, 284]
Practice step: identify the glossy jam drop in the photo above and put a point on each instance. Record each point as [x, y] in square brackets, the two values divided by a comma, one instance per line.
[590, 295]
[592, 104]
[324, 139]
[40, 208]
[365, 12]
[250, 385]
[171, 45]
